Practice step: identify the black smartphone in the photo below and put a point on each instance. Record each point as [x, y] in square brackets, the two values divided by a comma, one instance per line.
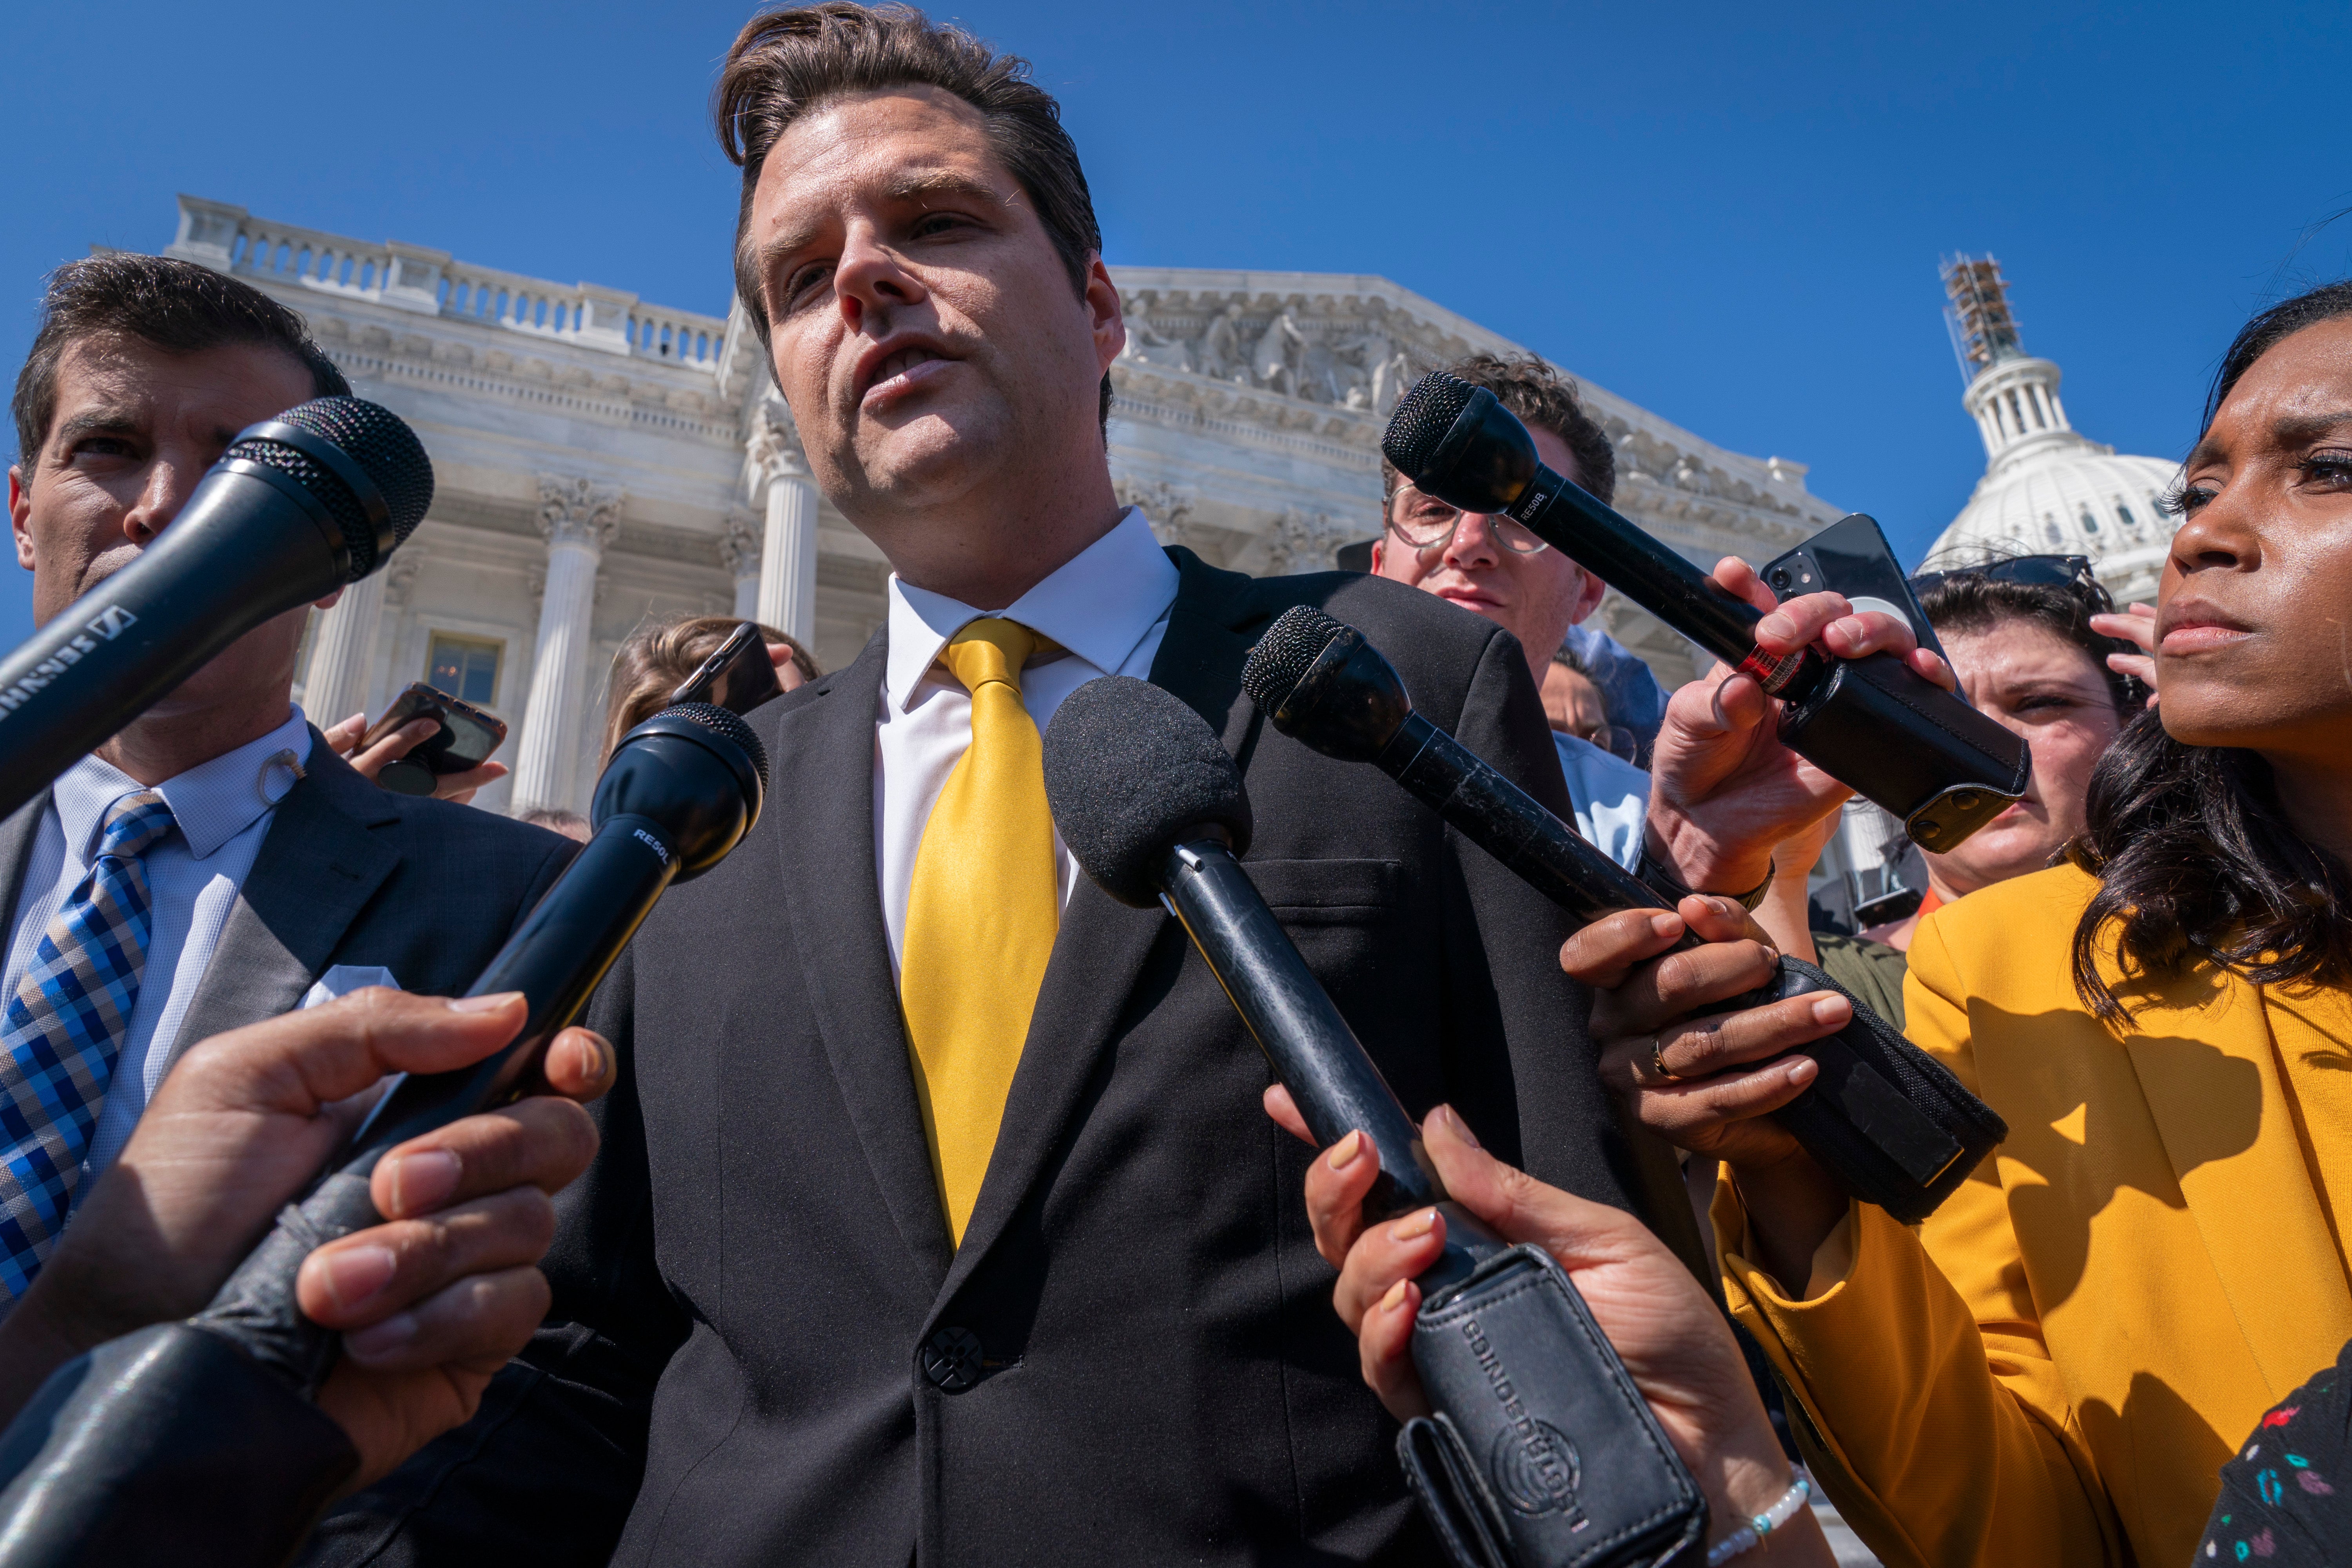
[466, 738]
[1851, 557]
[738, 676]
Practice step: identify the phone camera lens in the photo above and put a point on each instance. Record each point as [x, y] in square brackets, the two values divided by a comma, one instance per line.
[1779, 578]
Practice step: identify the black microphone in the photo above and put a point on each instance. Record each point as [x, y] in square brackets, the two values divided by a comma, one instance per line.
[1941, 766]
[1530, 1395]
[1886, 1119]
[297, 507]
[198, 1440]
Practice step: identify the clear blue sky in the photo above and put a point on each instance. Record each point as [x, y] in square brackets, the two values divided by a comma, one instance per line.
[1729, 213]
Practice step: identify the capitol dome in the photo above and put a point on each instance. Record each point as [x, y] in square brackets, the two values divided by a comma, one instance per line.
[2046, 489]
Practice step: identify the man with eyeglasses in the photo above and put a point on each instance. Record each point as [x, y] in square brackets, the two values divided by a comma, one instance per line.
[1492, 567]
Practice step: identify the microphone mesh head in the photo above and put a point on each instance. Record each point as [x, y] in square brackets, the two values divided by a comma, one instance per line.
[375, 438]
[1423, 415]
[1130, 772]
[1286, 651]
[719, 721]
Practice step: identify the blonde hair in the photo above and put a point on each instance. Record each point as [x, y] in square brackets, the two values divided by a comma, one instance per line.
[659, 654]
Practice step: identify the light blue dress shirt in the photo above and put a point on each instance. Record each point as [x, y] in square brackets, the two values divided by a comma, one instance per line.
[223, 809]
[1611, 797]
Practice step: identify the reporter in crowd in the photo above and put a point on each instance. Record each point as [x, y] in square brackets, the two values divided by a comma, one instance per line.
[213, 864]
[2154, 1257]
[431, 1302]
[1722, 788]
[343, 739]
[654, 660]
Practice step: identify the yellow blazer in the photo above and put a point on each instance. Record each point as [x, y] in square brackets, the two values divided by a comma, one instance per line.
[2054, 1367]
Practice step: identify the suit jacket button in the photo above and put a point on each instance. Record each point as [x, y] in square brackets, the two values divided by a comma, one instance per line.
[952, 1360]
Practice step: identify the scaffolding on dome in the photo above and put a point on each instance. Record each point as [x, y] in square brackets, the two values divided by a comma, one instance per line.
[1984, 331]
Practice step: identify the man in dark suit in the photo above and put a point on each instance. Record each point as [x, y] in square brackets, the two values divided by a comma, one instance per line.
[937, 1219]
[215, 863]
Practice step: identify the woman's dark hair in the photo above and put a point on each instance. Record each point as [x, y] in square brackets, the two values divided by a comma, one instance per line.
[1965, 603]
[2196, 860]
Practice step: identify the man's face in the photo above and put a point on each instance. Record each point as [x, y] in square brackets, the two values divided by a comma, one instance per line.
[925, 329]
[1535, 597]
[135, 428]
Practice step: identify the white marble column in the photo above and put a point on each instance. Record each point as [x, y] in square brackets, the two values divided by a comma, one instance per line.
[788, 555]
[740, 549]
[578, 517]
[343, 654]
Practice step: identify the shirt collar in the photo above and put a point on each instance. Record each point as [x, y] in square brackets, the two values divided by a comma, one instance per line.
[1099, 605]
[212, 802]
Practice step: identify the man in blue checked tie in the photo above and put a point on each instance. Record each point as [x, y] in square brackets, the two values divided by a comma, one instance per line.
[65, 1028]
[215, 863]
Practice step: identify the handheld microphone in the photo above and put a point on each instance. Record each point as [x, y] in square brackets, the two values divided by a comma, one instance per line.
[199, 1438]
[1530, 1395]
[1939, 765]
[1886, 1119]
[297, 507]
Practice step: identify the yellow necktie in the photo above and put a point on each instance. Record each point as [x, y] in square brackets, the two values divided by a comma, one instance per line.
[982, 912]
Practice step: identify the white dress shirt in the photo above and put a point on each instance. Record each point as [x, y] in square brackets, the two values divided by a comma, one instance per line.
[222, 810]
[1611, 797]
[1108, 608]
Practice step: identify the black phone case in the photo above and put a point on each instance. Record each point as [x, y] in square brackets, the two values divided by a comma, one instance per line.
[1542, 1453]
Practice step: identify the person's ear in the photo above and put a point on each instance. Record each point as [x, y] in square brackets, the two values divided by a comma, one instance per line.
[1588, 594]
[329, 602]
[20, 514]
[1108, 316]
[1377, 547]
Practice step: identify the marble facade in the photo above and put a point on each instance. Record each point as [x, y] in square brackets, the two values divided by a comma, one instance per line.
[600, 460]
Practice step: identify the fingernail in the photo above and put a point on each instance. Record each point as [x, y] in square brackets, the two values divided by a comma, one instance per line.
[1803, 1069]
[1728, 908]
[356, 1273]
[1666, 924]
[1343, 1153]
[489, 1004]
[1413, 1225]
[1455, 1125]
[382, 1339]
[1395, 1298]
[1830, 1010]
[422, 1181]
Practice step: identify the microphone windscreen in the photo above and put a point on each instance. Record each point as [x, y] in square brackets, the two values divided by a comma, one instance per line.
[376, 439]
[1130, 771]
[1285, 652]
[1423, 415]
[722, 721]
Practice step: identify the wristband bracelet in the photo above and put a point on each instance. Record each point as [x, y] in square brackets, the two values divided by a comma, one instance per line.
[1750, 1536]
[1662, 880]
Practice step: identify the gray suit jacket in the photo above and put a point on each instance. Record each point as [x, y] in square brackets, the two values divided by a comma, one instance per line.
[352, 874]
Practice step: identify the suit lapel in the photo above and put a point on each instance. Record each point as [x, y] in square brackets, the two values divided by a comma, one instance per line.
[16, 836]
[2253, 1202]
[825, 775]
[318, 867]
[1102, 947]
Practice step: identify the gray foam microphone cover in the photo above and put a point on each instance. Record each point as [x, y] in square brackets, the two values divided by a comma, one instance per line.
[1130, 771]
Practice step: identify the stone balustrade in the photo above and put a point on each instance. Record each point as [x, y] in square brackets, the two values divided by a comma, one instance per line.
[431, 282]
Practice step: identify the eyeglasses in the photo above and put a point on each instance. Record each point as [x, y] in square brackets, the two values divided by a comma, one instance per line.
[1427, 524]
[2035, 570]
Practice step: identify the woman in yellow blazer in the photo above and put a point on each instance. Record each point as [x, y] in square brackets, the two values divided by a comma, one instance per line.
[2052, 1369]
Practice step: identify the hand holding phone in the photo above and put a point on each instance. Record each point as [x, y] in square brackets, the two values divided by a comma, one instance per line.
[451, 760]
[738, 675]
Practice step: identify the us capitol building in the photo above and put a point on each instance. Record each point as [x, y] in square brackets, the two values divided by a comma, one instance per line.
[601, 461]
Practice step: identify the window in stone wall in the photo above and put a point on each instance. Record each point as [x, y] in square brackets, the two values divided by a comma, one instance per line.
[465, 667]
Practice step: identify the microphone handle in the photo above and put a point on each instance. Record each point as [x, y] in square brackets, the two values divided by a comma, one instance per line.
[1332, 1078]
[556, 958]
[249, 544]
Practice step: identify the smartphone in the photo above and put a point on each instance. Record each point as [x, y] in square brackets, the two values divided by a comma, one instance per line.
[738, 675]
[1851, 557]
[466, 738]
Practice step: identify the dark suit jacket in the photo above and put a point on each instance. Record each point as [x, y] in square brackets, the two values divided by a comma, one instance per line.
[353, 874]
[758, 1306]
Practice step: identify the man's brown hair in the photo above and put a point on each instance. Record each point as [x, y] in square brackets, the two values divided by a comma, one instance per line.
[177, 306]
[653, 660]
[789, 63]
[1544, 400]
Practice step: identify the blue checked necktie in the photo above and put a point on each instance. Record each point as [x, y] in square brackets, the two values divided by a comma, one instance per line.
[64, 1030]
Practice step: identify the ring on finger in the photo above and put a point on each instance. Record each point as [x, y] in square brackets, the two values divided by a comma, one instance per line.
[1658, 1059]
